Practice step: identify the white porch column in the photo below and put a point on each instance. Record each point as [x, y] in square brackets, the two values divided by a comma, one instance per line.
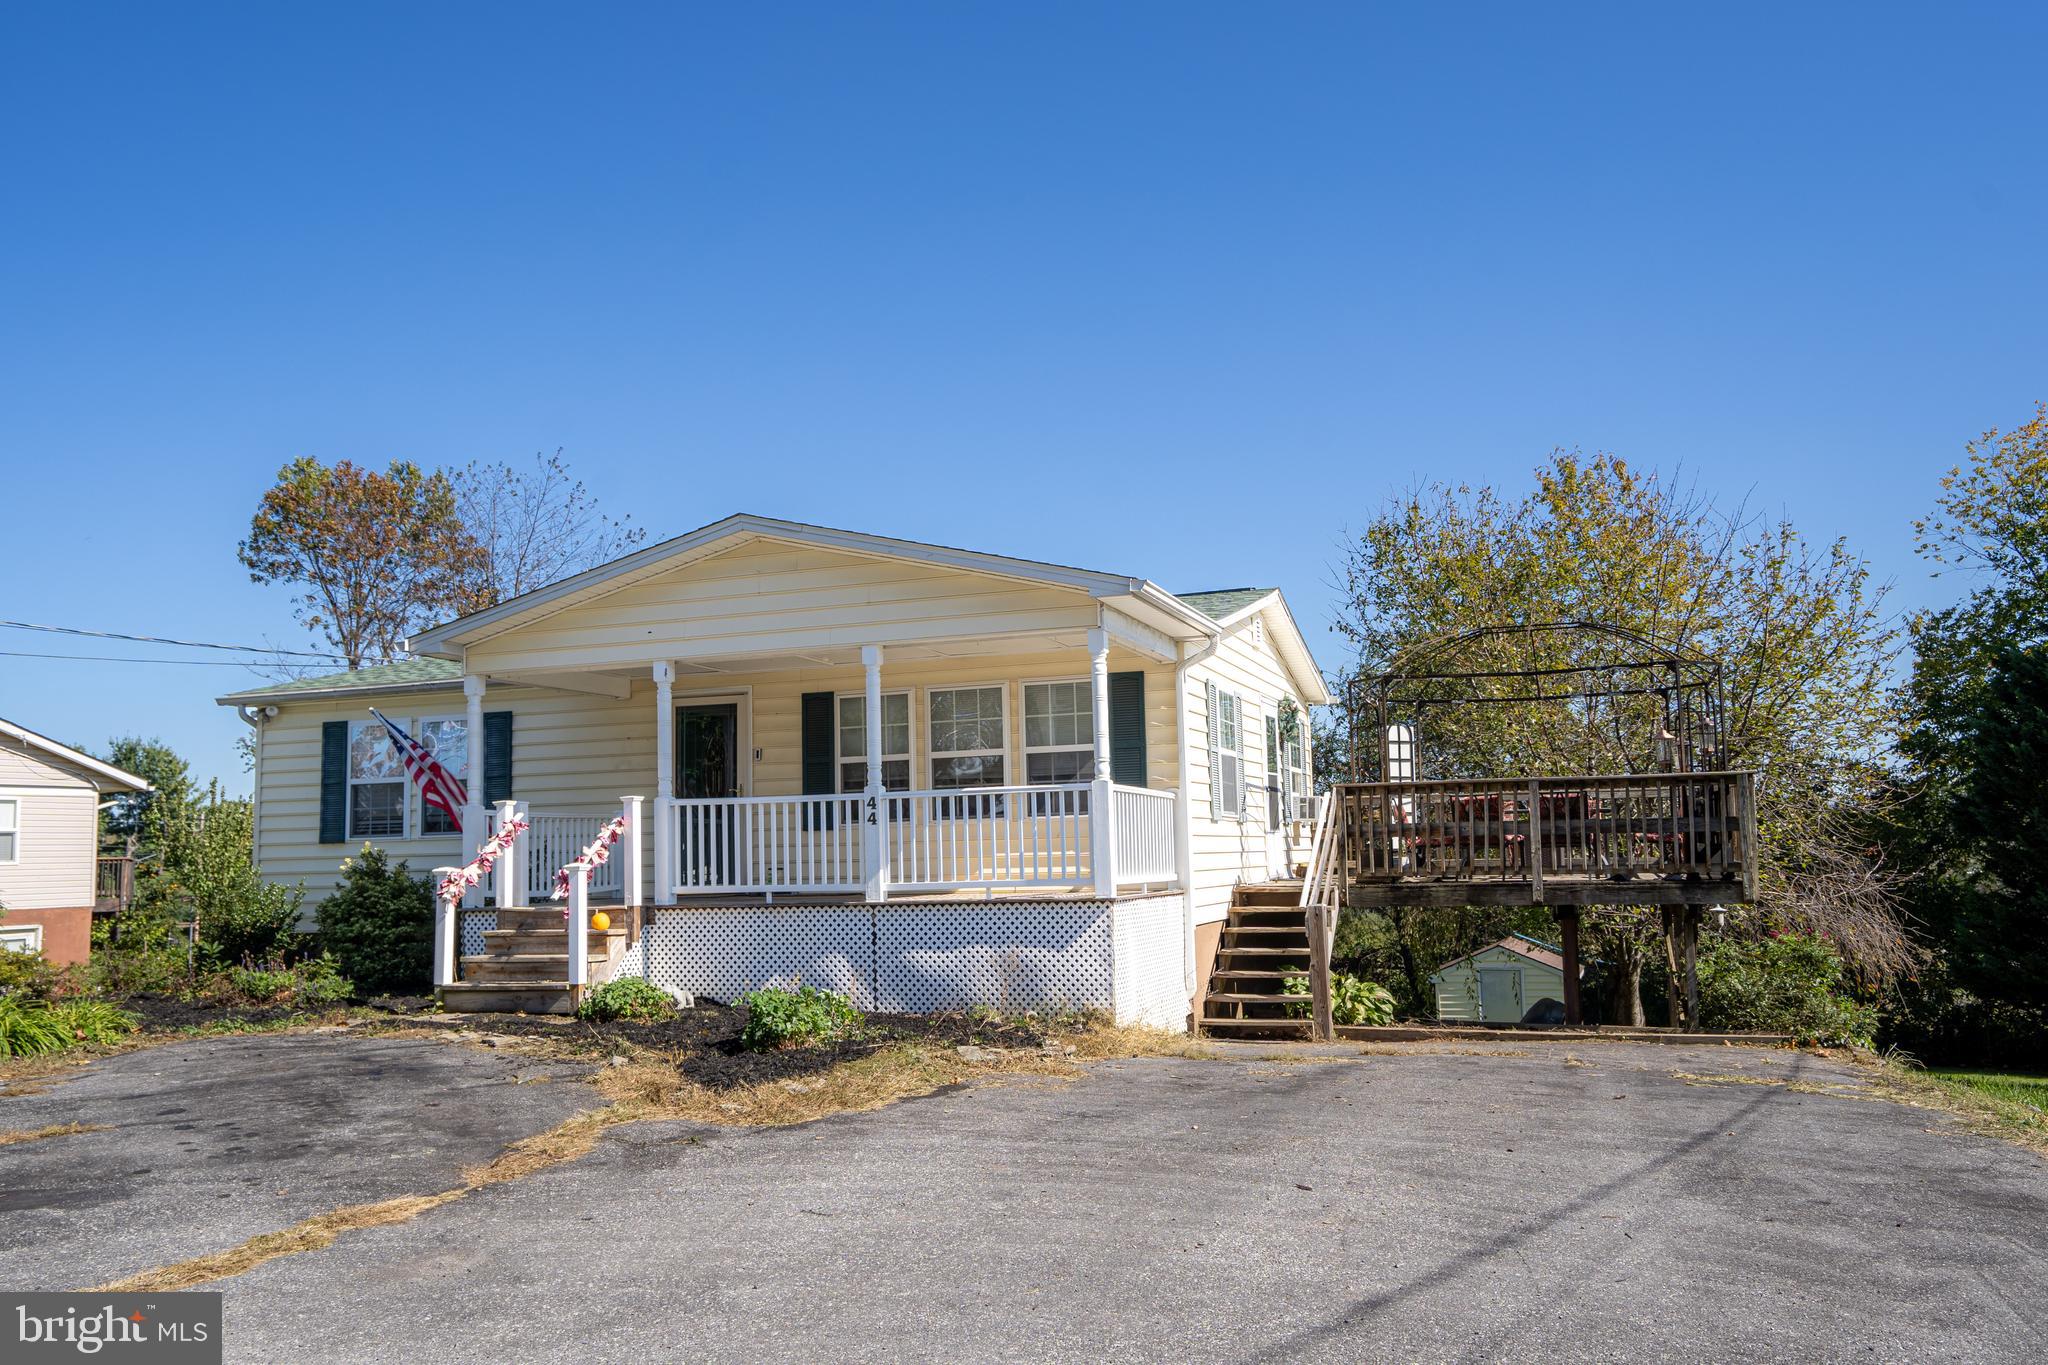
[873, 847]
[1101, 805]
[475, 823]
[507, 870]
[629, 849]
[664, 781]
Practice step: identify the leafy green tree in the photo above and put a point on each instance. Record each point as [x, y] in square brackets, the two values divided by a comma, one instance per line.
[374, 556]
[1798, 628]
[1969, 836]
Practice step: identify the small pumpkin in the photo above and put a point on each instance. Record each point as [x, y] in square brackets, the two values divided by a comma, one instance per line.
[600, 921]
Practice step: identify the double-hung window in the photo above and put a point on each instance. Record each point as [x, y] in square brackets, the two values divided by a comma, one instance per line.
[853, 742]
[376, 783]
[1226, 754]
[968, 749]
[10, 829]
[1059, 742]
[1295, 755]
[448, 741]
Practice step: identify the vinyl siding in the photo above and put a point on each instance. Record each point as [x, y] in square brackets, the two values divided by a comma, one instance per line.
[768, 598]
[59, 818]
[577, 753]
[1228, 851]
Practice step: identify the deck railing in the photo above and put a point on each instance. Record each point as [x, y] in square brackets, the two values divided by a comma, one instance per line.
[113, 883]
[1666, 825]
[922, 841]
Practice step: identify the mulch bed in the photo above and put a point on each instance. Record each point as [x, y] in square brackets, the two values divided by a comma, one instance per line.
[704, 1042]
[171, 1013]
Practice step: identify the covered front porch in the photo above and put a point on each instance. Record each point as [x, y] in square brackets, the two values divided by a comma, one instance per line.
[1038, 763]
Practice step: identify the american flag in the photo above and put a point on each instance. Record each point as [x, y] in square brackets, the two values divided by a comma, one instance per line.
[438, 787]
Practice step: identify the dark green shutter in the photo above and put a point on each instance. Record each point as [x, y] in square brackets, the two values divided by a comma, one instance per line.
[1127, 728]
[497, 757]
[334, 782]
[821, 777]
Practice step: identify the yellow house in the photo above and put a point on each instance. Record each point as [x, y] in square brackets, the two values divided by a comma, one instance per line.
[928, 776]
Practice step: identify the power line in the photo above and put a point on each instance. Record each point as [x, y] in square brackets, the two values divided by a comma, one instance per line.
[137, 659]
[161, 640]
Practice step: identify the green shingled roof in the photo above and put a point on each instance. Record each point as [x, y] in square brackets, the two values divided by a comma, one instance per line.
[1223, 602]
[407, 673]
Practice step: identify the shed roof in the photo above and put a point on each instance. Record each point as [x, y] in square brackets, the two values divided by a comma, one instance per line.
[1534, 949]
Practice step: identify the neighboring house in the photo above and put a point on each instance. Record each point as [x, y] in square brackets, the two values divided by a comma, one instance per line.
[1498, 984]
[736, 680]
[50, 796]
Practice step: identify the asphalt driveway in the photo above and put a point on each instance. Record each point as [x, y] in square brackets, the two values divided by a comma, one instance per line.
[1628, 1201]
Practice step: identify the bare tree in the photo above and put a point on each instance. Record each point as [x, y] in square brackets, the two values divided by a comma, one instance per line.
[537, 524]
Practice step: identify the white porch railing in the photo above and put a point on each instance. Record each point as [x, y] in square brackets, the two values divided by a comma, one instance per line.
[553, 838]
[920, 841]
[1144, 834]
[988, 836]
[764, 844]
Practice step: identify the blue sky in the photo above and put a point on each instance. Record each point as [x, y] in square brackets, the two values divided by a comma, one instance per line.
[971, 272]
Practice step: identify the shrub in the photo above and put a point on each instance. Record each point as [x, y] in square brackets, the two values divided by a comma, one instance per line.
[1786, 983]
[1353, 999]
[31, 976]
[35, 1028]
[307, 984]
[379, 925]
[629, 997]
[806, 1015]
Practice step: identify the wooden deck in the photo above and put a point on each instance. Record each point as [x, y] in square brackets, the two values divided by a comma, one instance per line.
[1656, 839]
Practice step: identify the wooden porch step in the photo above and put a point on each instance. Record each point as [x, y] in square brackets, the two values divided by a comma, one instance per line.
[1290, 1025]
[1295, 929]
[1302, 951]
[554, 940]
[1259, 973]
[525, 997]
[1259, 997]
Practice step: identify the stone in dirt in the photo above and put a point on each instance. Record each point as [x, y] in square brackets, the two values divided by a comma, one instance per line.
[970, 1053]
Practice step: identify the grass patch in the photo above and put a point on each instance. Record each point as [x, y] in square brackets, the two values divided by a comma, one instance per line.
[2003, 1105]
[53, 1130]
[2009, 1087]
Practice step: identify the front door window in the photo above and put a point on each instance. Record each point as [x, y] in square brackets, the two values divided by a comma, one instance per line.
[707, 750]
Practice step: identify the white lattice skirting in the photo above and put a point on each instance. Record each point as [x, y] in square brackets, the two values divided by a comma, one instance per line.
[469, 930]
[1124, 955]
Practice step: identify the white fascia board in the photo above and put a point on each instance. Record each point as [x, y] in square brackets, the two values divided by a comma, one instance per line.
[119, 776]
[1289, 642]
[446, 641]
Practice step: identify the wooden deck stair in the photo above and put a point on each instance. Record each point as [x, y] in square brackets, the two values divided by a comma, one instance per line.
[1264, 942]
[524, 967]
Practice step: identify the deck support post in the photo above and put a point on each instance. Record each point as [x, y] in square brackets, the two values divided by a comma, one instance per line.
[1691, 963]
[664, 781]
[475, 823]
[1101, 803]
[874, 849]
[1319, 915]
[1568, 941]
